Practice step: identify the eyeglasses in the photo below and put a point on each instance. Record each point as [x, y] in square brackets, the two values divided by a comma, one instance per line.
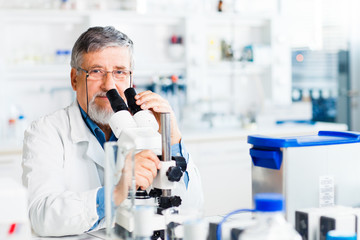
[98, 74]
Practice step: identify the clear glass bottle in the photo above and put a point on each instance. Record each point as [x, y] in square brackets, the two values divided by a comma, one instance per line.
[270, 221]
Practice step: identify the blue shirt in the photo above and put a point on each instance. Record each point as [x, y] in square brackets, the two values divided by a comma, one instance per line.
[176, 150]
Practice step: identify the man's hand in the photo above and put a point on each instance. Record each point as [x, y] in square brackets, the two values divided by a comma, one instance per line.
[146, 166]
[157, 104]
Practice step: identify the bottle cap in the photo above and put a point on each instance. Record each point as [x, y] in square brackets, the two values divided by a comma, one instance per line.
[174, 78]
[12, 121]
[340, 235]
[269, 202]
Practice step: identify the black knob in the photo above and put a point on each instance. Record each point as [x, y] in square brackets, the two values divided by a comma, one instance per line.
[180, 162]
[175, 201]
[174, 174]
[167, 202]
[156, 192]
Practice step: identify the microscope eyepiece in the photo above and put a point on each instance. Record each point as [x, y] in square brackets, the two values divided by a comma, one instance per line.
[130, 94]
[116, 101]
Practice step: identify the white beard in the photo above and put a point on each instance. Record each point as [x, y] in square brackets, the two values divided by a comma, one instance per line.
[97, 114]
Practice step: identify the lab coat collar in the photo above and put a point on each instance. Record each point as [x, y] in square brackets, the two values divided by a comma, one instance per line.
[79, 132]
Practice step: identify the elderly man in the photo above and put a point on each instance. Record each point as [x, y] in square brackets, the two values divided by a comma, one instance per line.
[63, 155]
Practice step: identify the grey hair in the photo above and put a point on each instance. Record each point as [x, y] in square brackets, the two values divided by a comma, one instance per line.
[99, 38]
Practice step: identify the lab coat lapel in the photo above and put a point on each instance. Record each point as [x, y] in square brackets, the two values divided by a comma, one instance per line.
[81, 133]
[95, 151]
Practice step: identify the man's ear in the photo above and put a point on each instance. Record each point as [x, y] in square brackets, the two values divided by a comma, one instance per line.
[73, 76]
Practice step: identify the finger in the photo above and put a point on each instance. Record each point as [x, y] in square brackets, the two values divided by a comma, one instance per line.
[143, 180]
[148, 96]
[140, 95]
[150, 155]
[144, 93]
[147, 165]
[157, 105]
[144, 177]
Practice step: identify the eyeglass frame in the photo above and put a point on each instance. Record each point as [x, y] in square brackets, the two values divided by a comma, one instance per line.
[88, 73]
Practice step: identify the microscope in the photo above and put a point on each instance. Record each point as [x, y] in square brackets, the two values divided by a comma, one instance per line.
[137, 129]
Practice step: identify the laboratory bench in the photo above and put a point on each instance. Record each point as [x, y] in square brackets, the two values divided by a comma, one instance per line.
[221, 154]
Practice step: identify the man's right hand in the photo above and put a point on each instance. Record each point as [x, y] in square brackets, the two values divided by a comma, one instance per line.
[146, 165]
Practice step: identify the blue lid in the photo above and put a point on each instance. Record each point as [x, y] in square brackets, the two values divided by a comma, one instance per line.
[323, 138]
[340, 235]
[269, 202]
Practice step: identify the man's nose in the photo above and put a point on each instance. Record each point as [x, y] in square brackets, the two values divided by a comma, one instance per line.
[108, 81]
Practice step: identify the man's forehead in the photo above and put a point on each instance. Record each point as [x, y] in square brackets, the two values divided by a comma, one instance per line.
[108, 50]
[118, 56]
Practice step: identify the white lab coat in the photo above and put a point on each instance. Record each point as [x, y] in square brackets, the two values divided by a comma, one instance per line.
[63, 167]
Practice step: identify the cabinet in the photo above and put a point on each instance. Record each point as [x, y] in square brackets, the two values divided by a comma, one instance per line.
[225, 168]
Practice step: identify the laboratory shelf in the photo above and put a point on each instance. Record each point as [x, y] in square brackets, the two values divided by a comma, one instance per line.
[48, 16]
[51, 16]
[236, 68]
[162, 68]
[37, 72]
[141, 18]
[253, 20]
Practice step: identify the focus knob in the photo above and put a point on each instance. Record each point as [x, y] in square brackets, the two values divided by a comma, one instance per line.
[174, 174]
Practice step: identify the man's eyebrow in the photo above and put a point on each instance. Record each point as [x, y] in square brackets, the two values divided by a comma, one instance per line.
[96, 66]
[120, 67]
[102, 67]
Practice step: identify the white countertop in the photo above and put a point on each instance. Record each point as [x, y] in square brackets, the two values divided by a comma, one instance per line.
[281, 130]
[209, 134]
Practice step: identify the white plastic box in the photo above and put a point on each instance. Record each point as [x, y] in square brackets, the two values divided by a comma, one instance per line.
[310, 171]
